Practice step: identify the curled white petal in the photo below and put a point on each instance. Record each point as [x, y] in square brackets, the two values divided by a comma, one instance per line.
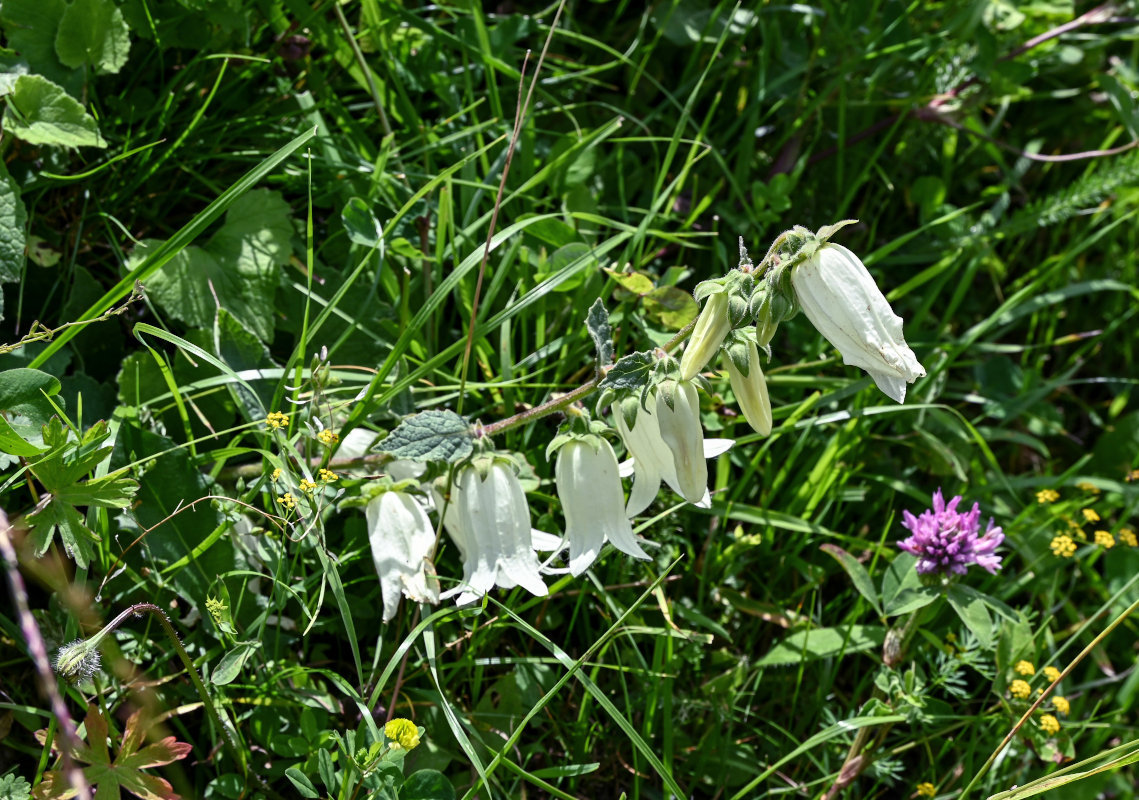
[841, 300]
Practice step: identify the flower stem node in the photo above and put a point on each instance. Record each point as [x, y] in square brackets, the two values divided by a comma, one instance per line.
[839, 297]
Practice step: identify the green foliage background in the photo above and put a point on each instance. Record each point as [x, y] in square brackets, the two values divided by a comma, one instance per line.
[284, 176]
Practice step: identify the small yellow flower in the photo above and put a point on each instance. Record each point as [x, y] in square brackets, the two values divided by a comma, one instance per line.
[326, 475]
[926, 789]
[1049, 724]
[1052, 674]
[1089, 515]
[1104, 539]
[1088, 487]
[276, 475]
[306, 485]
[1133, 475]
[287, 500]
[276, 420]
[1024, 668]
[1020, 689]
[1063, 546]
[1047, 496]
[1127, 536]
[328, 437]
[1061, 704]
[1071, 523]
[402, 733]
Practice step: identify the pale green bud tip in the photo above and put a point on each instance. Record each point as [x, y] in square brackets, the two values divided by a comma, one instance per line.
[78, 660]
[402, 732]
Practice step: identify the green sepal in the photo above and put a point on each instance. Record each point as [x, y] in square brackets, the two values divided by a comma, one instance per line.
[591, 434]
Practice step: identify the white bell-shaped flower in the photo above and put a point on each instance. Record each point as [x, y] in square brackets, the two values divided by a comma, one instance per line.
[402, 536]
[489, 521]
[682, 432]
[836, 292]
[589, 486]
[651, 460]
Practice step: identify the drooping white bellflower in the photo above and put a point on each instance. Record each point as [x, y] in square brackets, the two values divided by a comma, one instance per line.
[589, 486]
[401, 535]
[489, 521]
[651, 459]
[836, 292]
[682, 432]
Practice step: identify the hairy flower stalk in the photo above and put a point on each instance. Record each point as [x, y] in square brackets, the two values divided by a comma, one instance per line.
[589, 486]
[947, 541]
[402, 538]
[489, 520]
[839, 297]
[711, 328]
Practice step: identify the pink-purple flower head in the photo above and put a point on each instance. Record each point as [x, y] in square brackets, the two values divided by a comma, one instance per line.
[947, 541]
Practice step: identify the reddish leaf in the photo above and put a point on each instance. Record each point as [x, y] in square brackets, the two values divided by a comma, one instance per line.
[108, 777]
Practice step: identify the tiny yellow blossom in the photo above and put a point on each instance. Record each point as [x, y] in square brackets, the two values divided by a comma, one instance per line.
[1024, 668]
[276, 474]
[276, 419]
[1049, 724]
[1019, 688]
[1061, 704]
[1104, 539]
[1127, 536]
[1089, 515]
[402, 733]
[1133, 475]
[1088, 487]
[1071, 522]
[1083, 537]
[1047, 496]
[326, 475]
[306, 485]
[328, 437]
[926, 789]
[287, 500]
[1052, 674]
[1063, 546]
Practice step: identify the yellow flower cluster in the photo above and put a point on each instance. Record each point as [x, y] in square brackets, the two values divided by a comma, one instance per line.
[1127, 536]
[1049, 724]
[1052, 674]
[1133, 475]
[1061, 704]
[326, 475]
[328, 437]
[1020, 689]
[402, 733]
[276, 420]
[276, 475]
[1104, 539]
[216, 608]
[925, 789]
[1047, 496]
[287, 500]
[1091, 488]
[306, 485]
[1090, 514]
[1063, 546]
[1024, 668]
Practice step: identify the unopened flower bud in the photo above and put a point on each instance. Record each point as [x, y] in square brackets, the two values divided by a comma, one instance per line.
[79, 660]
[711, 328]
[749, 385]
